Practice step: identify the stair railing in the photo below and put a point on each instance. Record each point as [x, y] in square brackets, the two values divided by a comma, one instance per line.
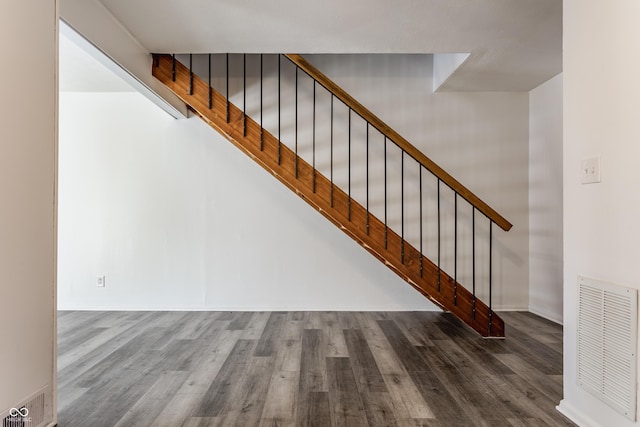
[407, 151]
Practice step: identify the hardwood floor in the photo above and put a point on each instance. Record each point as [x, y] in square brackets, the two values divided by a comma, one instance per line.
[305, 368]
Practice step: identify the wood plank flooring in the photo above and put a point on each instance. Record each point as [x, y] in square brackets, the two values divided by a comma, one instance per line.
[305, 368]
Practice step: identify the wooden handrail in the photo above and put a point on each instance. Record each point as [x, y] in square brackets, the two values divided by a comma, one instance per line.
[394, 136]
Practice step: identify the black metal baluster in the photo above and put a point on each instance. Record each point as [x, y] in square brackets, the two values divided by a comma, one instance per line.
[209, 81]
[402, 205]
[296, 124]
[473, 260]
[386, 228]
[173, 67]
[439, 240]
[227, 88]
[261, 105]
[455, 249]
[331, 153]
[244, 94]
[367, 183]
[313, 177]
[490, 274]
[279, 108]
[349, 170]
[420, 178]
[190, 74]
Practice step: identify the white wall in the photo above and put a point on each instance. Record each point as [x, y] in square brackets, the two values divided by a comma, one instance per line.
[178, 218]
[545, 199]
[27, 211]
[601, 231]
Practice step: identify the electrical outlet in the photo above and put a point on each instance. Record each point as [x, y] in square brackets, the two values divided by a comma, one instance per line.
[590, 170]
[101, 281]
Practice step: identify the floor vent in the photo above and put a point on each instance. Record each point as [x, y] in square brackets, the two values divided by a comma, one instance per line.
[607, 340]
[35, 411]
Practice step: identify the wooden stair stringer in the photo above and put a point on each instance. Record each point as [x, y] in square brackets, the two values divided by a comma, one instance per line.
[345, 213]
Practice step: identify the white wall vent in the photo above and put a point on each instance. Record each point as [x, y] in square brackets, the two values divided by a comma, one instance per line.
[607, 343]
[35, 411]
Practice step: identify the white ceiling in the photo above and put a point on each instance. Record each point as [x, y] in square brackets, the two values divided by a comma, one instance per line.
[514, 44]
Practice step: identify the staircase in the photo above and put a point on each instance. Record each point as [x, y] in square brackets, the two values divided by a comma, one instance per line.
[366, 221]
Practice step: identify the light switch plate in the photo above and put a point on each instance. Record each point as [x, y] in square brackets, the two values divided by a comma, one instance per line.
[590, 170]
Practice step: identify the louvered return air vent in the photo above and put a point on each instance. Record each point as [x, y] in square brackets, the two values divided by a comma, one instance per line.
[607, 339]
[35, 411]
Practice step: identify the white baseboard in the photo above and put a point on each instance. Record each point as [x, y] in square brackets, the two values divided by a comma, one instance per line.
[510, 308]
[549, 316]
[254, 309]
[246, 309]
[574, 415]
